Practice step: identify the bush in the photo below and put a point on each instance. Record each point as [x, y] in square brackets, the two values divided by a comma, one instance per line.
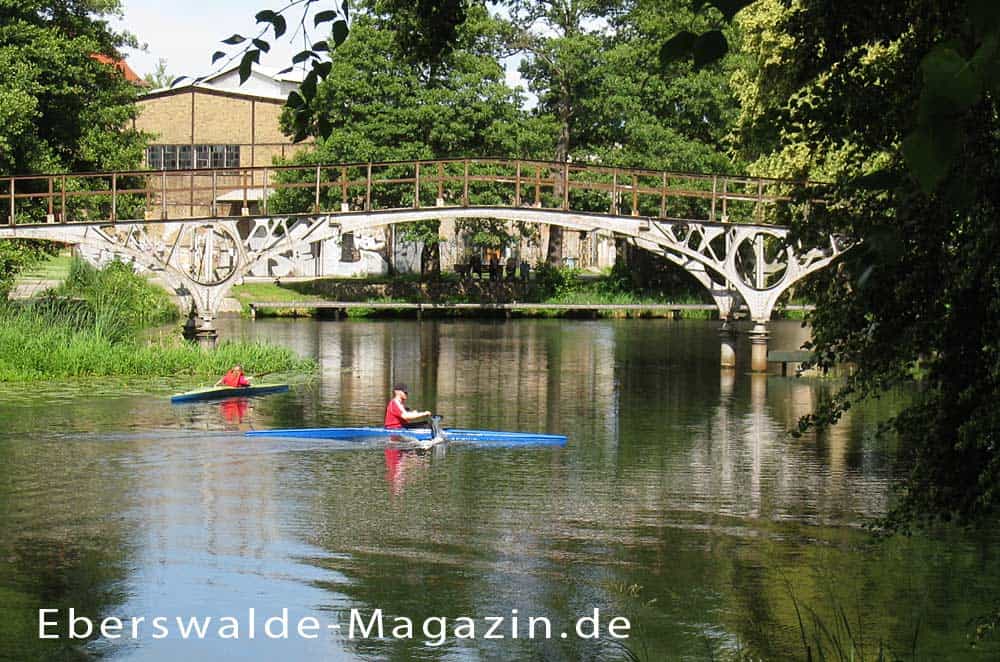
[122, 302]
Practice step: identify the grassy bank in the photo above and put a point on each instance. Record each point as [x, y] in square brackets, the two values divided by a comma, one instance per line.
[547, 286]
[93, 328]
[52, 267]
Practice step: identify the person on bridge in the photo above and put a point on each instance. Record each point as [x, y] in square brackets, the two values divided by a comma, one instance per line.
[397, 416]
[234, 378]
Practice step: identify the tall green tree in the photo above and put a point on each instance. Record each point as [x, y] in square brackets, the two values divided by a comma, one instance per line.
[562, 51]
[61, 109]
[895, 103]
[382, 103]
[644, 115]
[159, 77]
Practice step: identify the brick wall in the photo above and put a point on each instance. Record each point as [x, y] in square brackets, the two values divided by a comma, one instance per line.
[189, 117]
[168, 118]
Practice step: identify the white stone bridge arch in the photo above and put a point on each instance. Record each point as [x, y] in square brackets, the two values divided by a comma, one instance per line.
[202, 254]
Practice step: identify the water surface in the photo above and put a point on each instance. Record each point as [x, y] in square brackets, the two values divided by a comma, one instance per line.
[679, 503]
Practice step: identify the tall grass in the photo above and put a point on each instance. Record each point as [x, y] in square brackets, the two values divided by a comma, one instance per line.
[94, 330]
[122, 301]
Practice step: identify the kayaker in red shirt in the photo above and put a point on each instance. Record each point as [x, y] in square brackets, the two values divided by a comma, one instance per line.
[397, 416]
[234, 378]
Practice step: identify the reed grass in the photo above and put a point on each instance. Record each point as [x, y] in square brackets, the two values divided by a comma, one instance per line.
[93, 329]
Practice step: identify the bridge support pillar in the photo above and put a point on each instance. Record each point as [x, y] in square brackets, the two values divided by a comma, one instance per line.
[201, 330]
[758, 347]
[727, 343]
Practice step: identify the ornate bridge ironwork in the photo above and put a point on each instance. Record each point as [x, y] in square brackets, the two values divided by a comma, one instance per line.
[201, 230]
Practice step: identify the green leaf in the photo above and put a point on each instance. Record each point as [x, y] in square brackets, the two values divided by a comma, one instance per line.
[985, 15]
[246, 64]
[928, 156]
[262, 45]
[880, 180]
[984, 61]
[677, 48]
[295, 100]
[325, 16]
[308, 87]
[947, 75]
[710, 48]
[217, 55]
[321, 46]
[276, 20]
[302, 56]
[865, 275]
[730, 8]
[322, 69]
[323, 126]
[339, 32]
[235, 39]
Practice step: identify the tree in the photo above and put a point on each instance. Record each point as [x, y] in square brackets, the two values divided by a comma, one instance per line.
[159, 78]
[676, 117]
[61, 108]
[382, 104]
[563, 53]
[880, 98]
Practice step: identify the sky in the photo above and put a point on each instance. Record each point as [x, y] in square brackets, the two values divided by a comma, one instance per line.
[185, 33]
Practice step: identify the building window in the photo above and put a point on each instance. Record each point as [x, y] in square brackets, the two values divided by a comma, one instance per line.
[185, 157]
[154, 157]
[218, 156]
[170, 157]
[232, 156]
[188, 157]
[203, 156]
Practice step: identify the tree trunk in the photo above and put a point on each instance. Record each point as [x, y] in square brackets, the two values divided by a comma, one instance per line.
[430, 260]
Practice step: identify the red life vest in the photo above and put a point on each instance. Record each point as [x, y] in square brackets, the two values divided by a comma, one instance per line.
[394, 416]
[235, 379]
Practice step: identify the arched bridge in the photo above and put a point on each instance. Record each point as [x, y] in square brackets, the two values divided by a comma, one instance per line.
[202, 230]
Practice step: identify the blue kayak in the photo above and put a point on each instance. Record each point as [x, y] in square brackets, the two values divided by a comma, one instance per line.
[216, 392]
[476, 437]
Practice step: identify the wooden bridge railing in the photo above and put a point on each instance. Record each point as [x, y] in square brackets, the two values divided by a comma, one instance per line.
[168, 195]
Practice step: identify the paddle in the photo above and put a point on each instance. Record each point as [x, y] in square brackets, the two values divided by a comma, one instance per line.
[435, 421]
[262, 374]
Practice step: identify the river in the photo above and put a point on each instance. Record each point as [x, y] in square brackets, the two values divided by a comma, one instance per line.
[679, 505]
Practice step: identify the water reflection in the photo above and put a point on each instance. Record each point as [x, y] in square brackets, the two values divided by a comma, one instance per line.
[237, 413]
[679, 501]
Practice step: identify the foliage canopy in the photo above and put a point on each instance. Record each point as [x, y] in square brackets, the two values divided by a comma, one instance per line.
[62, 109]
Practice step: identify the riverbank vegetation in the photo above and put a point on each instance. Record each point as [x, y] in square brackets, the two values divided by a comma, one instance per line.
[96, 324]
[547, 285]
[556, 286]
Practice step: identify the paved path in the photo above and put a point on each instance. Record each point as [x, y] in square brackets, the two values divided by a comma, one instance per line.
[27, 288]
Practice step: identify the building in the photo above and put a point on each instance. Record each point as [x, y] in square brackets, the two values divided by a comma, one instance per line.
[217, 123]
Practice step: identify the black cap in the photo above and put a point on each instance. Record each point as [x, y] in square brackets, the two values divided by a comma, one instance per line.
[401, 387]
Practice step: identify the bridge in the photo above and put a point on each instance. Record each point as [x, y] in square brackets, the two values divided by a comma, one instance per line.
[202, 230]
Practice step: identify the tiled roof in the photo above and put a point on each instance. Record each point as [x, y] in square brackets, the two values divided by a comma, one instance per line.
[121, 66]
